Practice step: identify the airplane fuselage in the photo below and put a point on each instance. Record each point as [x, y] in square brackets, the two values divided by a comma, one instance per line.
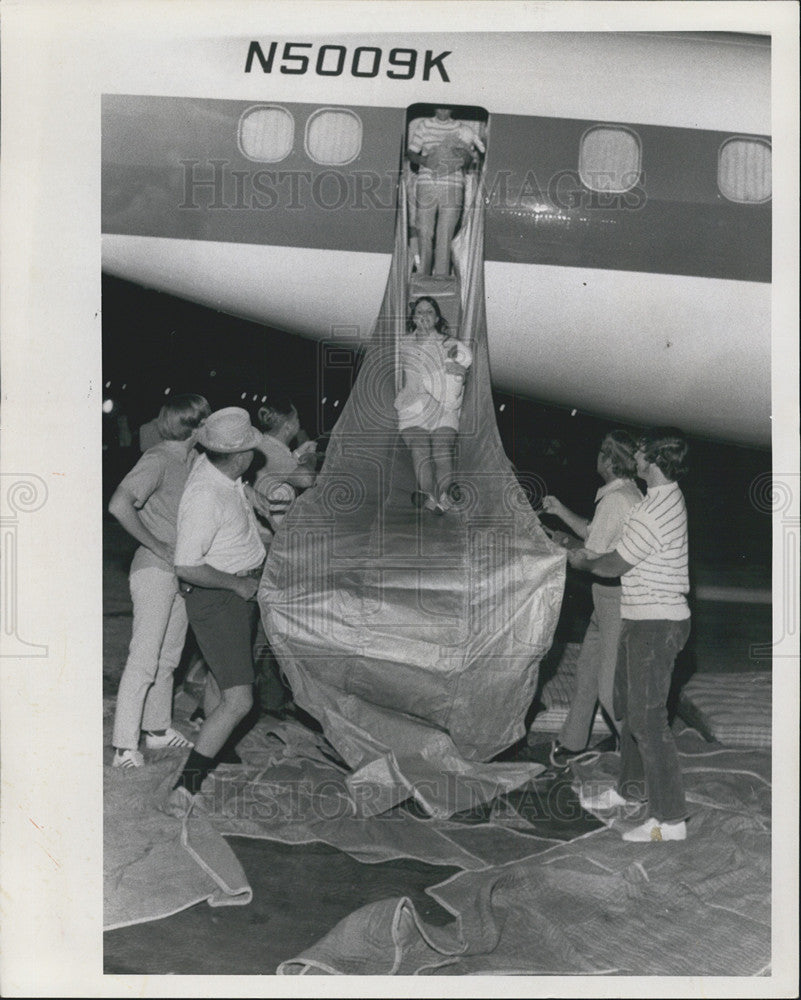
[628, 214]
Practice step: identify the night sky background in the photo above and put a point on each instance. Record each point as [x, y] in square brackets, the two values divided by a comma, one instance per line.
[153, 341]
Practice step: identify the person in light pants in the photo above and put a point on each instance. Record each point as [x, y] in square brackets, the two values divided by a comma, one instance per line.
[597, 660]
[441, 148]
[146, 505]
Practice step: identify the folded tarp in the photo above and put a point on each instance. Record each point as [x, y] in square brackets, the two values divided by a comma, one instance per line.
[597, 904]
[291, 788]
[155, 865]
[734, 709]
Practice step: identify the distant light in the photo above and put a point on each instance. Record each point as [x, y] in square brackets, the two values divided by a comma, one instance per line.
[125, 385]
[324, 399]
[502, 407]
[336, 403]
[212, 373]
[108, 405]
[244, 395]
[255, 399]
[167, 391]
[264, 399]
[573, 413]
[108, 385]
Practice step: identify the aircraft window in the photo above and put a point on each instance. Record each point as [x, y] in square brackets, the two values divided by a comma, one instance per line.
[744, 170]
[266, 133]
[609, 159]
[333, 136]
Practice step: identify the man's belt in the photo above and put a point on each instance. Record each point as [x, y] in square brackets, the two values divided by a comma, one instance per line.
[255, 572]
[187, 588]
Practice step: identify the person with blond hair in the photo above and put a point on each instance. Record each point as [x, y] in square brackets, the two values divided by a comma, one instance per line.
[146, 505]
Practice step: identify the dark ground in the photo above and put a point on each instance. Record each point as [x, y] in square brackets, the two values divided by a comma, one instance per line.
[294, 904]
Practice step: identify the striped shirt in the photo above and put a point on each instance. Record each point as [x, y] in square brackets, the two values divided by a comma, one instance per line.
[431, 132]
[654, 541]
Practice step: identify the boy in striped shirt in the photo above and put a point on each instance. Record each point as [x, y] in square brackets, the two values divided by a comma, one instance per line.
[651, 560]
[441, 148]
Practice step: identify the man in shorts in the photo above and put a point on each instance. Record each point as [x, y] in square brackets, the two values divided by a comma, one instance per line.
[218, 558]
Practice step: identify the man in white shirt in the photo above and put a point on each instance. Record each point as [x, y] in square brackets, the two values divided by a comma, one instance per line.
[651, 561]
[597, 662]
[218, 558]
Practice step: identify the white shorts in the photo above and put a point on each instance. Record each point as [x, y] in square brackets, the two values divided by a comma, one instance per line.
[428, 414]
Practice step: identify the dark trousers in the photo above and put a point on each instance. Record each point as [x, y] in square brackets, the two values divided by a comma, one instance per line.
[649, 761]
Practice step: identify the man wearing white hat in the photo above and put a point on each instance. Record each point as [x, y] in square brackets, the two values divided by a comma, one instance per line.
[218, 558]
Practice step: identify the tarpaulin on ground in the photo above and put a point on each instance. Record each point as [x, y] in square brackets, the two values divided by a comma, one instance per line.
[292, 787]
[596, 905]
[415, 639]
[155, 865]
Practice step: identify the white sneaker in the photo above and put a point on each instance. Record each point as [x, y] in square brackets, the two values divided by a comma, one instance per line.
[127, 759]
[432, 505]
[610, 798]
[653, 830]
[171, 738]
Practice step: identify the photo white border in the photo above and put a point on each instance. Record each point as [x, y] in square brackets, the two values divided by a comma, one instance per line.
[57, 59]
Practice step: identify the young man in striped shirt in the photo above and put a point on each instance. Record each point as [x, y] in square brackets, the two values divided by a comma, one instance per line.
[442, 148]
[651, 561]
